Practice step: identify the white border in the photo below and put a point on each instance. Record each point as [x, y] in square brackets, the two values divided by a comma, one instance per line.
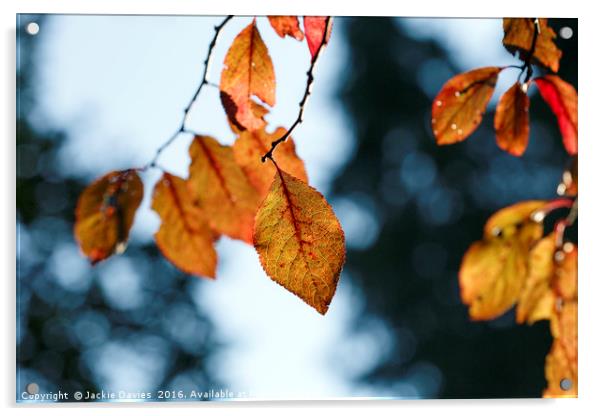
[590, 288]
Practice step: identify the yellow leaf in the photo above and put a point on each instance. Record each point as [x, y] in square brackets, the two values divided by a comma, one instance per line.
[184, 236]
[250, 146]
[299, 240]
[458, 108]
[493, 271]
[562, 360]
[537, 299]
[105, 213]
[566, 272]
[286, 25]
[221, 189]
[248, 72]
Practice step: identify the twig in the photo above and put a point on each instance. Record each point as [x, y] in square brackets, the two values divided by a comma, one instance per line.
[204, 81]
[308, 86]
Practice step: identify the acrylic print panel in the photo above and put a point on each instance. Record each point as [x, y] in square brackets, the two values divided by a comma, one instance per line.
[194, 225]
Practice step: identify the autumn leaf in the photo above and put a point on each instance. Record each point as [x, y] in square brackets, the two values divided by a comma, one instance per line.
[248, 72]
[316, 32]
[299, 240]
[221, 189]
[105, 213]
[537, 298]
[286, 25]
[566, 272]
[458, 108]
[184, 236]
[248, 149]
[493, 271]
[562, 99]
[562, 360]
[511, 121]
[518, 36]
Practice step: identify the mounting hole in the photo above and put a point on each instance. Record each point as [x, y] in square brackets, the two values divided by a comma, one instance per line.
[32, 28]
[566, 32]
[32, 388]
[566, 384]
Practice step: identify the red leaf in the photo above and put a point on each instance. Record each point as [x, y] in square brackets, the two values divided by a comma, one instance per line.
[562, 99]
[316, 32]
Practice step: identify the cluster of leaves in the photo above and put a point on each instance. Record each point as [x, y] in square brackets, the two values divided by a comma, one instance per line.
[514, 263]
[229, 190]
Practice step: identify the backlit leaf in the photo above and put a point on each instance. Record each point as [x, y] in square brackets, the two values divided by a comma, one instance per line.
[249, 147]
[105, 213]
[537, 299]
[316, 32]
[562, 99]
[221, 189]
[566, 271]
[248, 72]
[458, 108]
[562, 360]
[300, 241]
[286, 25]
[493, 271]
[518, 36]
[184, 236]
[512, 121]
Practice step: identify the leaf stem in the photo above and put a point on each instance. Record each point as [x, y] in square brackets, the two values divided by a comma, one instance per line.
[303, 102]
[204, 81]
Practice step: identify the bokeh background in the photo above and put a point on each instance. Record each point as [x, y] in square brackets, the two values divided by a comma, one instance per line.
[98, 93]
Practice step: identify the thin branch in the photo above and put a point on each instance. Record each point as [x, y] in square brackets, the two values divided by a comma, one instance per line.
[308, 87]
[204, 81]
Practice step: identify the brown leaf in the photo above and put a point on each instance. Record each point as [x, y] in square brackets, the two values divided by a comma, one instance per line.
[299, 240]
[566, 272]
[249, 147]
[493, 271]
[316, 32]
[105, 213]
[184, 236]
[286, 25]
[458, 108]
[512, 121]
[562, 99]
[248, 72]
[518, 36]
[221, 189]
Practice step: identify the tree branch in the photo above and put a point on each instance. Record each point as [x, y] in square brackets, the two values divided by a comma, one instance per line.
[308, 87]
[204, 81]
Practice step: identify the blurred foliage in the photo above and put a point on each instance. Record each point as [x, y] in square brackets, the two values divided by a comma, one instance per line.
[429, 203]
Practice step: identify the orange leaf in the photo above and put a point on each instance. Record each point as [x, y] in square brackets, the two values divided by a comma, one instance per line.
[316, 32]
[458, 108]
[493, 271]
[222, 189]
[249, 147]
[512, 121]
[299, 240]
[286, 25]
[562, 99]
[184, 236]
[105, 213]
[248, 72]
[518, 36]
[566, 272]
[562, 360]
[537, 299]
